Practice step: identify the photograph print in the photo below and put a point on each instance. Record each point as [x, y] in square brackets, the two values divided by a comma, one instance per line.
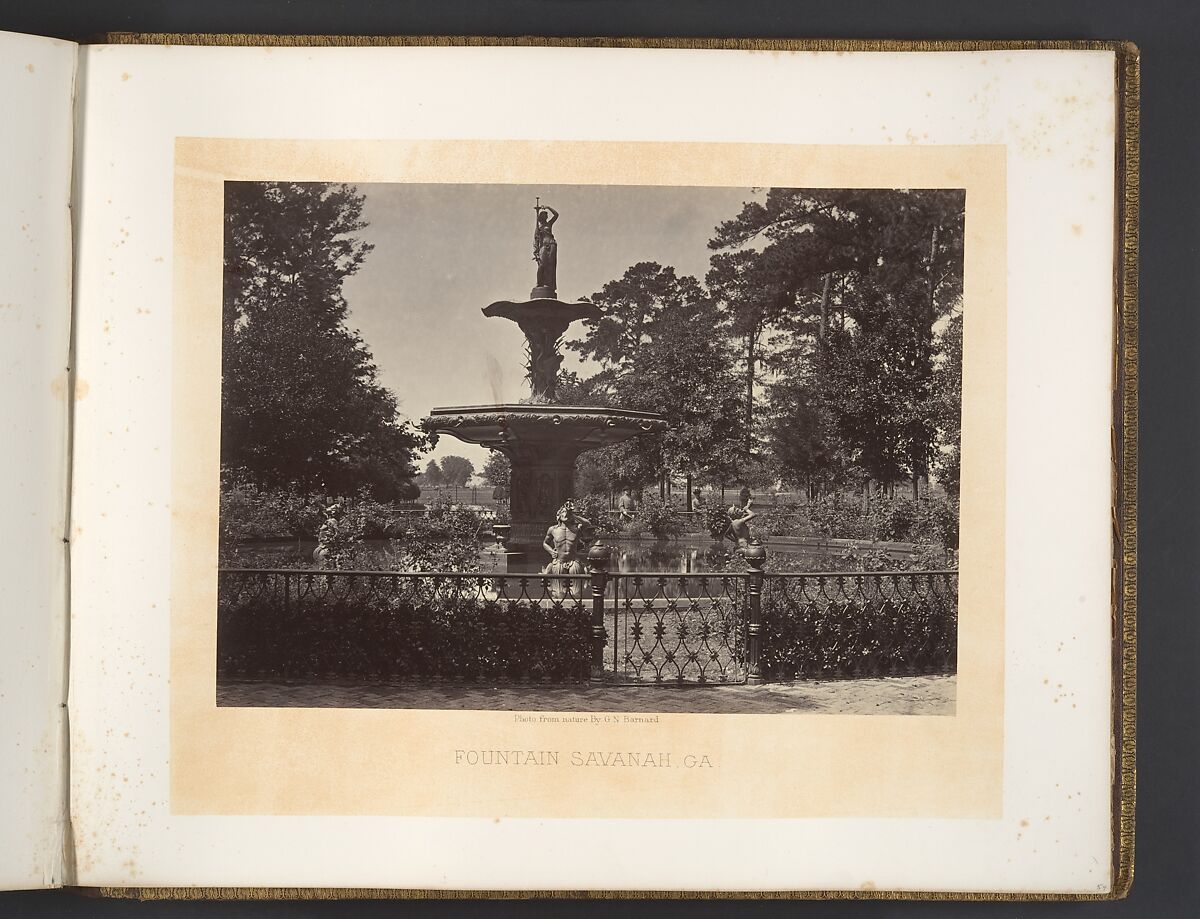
[590, 448]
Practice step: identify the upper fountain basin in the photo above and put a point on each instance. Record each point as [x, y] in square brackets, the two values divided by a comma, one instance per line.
[543, 309]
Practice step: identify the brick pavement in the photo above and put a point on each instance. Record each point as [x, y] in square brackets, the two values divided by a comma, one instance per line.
[926, 695]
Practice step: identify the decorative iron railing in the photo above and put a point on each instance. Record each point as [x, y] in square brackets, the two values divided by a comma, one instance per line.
[670, 628]
[660, 628]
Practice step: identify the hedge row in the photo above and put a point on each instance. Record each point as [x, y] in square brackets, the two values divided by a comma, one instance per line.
[385, 638]
[815, 637]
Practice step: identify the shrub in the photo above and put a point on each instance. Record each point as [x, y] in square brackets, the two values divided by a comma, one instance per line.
[781, 521]
[937, 520]
[418, 628]
[594, 508]
[340, 538]
[717, 520]
[448, 538]
[896, 520]
[251, 512]
[930, 523]
[659, 519]
[834, 627]
[408, 491]
[837, 517]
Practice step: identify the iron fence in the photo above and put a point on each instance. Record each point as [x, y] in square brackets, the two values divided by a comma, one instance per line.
[657, 628]
[662, 628]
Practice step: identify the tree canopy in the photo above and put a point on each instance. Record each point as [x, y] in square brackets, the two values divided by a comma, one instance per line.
[497, 469]
[457, 470]
[853, 284]
[822, 348]
[819, 350]
[657, 351]
[300, 398]
[432, 475]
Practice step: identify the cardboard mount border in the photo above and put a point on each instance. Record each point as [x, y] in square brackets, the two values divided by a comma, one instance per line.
[1124, 454]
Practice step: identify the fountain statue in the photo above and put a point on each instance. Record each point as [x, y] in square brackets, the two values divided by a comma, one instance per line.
[738, 530]
[545, 251]
[540, 437]
[567, 541]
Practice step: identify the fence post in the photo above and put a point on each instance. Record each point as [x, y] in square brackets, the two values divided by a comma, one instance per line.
[756, 557]
[274, 655]
[597, 559]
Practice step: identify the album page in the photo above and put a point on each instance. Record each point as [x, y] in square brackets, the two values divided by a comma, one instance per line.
[36, 86]
[502, 463]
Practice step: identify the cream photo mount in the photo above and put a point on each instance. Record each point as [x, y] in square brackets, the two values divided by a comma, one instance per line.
[298, 761]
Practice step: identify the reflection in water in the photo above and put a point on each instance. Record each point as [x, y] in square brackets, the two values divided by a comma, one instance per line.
[661, 557]
[667, 557]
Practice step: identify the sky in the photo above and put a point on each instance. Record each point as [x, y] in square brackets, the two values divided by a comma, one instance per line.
[444, 252]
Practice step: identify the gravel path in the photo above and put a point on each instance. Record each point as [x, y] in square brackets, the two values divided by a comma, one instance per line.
[925, 695]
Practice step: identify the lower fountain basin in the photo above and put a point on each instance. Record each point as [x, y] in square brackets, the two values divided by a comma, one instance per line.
[538, 429]
[542, 441]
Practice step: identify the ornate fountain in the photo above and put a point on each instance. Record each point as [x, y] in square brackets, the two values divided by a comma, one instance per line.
[541, 437]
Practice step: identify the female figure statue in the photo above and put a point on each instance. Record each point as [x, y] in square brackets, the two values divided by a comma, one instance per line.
[545, 249]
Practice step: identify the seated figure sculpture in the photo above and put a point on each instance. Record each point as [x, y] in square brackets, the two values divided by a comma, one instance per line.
[739, 525]
[567, 542]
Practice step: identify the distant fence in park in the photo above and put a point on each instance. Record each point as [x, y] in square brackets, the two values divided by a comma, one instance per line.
[657, 628]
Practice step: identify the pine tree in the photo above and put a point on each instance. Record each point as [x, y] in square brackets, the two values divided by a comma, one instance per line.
[659, 350]
[858, 281]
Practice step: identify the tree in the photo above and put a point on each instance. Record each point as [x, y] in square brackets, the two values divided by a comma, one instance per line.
[658, 352]
[634, 306]
[875, 397]
[457, 470]
[802, 437]
[410, 492]
[633, 463]
[497, 470]
[858, 280]
[736, 282]
[947, 395]
[591, 477]
[433, 475]
[300, 399]
[686, 375]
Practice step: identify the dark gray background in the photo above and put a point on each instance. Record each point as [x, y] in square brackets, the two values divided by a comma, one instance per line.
[1168, 858]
